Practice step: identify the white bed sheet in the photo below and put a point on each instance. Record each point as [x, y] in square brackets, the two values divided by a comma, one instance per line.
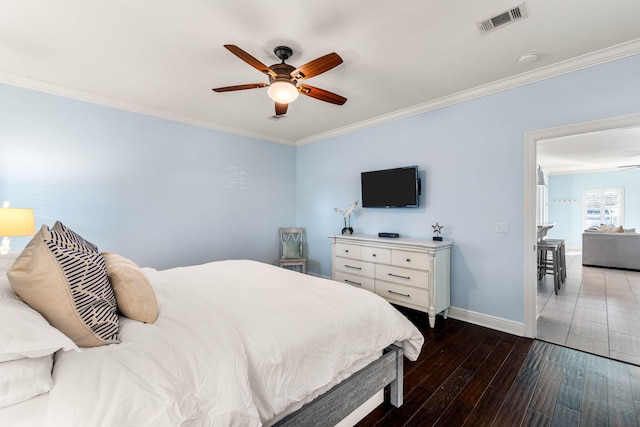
[301, 333]
[237, 343]
[30, 413]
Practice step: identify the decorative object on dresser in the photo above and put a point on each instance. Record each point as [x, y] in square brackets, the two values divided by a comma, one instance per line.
[437, 229]
[389, 235]
[346, 214]
[15, 222]
[291, 248]
[414, 273]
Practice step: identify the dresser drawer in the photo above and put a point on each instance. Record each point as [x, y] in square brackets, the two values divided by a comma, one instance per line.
[403, 276]
[355, 266]
[357, 281]
[409, 259]
[349, 251]
[403, 294]
[369, 253]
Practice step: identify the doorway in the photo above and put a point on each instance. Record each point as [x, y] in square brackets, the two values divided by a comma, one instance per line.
[531, 140]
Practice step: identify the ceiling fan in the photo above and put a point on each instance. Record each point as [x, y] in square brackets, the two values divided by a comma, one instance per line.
[627, 167]
[283, 78]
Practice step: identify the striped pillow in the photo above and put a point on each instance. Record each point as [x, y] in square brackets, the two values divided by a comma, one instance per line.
[60, 277]
[72, 238]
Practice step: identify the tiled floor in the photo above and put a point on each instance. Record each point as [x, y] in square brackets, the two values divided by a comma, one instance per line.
[597, 310]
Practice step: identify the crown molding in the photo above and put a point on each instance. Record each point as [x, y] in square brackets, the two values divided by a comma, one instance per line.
[613, 53]
[584, 61]
[106, 101]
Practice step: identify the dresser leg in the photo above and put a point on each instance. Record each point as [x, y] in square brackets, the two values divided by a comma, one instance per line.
[445, 313]
[432, 321]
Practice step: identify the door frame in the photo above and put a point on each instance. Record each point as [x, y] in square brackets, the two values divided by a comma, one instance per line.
[531, 139]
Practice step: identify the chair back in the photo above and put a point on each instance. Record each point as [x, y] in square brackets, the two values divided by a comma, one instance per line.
[290, 235]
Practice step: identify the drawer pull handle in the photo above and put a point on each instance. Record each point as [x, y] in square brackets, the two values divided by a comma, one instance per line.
[374, 255]
[351, 266]
[346, 251]
[408, 259]
[398, 293]
[352, 283]
[401, 277]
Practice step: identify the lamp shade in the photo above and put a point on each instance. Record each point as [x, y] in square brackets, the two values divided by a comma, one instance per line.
[17, 222]
[283, 92]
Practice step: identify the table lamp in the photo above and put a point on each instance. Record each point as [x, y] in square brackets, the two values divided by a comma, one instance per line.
[15, 222]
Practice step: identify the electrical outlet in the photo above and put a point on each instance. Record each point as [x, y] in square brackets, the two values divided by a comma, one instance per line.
[502, 228]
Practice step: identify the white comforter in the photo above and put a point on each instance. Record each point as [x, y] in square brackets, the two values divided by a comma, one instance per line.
[236, 343]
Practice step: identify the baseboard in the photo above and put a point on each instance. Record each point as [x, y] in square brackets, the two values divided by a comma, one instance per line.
[492, 322]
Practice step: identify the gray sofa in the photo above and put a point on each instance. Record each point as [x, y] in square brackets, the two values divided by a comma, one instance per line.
[615, 250]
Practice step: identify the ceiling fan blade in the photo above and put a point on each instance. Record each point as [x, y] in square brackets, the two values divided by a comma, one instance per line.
[250, 60]
[629, 167]
[317, 66]
[240, 87]
[321, 94]
[281, 109]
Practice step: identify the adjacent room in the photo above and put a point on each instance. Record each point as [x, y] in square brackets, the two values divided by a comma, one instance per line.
[320, 213]
[588, 199]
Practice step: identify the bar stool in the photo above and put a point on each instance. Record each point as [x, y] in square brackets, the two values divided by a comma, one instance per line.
[550, 266]
[563, 259]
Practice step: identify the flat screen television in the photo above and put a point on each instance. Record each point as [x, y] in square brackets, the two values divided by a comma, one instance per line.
[391, 188]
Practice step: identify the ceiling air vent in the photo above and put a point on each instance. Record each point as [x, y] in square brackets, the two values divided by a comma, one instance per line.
[516, 13]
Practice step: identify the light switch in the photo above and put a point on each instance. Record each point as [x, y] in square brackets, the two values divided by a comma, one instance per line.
[502, 227]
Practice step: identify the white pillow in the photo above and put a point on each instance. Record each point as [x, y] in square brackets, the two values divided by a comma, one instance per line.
[24, 379]
[24, 332]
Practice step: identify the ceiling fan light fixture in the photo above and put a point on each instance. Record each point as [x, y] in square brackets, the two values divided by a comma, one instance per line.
[282, 92]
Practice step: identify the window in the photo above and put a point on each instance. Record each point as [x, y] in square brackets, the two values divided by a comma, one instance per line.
[603, 206]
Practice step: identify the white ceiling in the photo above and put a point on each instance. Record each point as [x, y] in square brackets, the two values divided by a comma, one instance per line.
[590, 152]
[163, 57]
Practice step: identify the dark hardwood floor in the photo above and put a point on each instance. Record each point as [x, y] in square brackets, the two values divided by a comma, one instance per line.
[468, 375]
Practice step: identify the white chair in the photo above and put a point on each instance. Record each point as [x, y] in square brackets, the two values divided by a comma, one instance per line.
[291, 248]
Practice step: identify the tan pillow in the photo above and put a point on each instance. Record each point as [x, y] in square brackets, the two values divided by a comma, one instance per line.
[68, 285]
[612, 229]
[134, 294]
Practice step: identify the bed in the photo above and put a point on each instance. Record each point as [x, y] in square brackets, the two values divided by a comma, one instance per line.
[235, 343]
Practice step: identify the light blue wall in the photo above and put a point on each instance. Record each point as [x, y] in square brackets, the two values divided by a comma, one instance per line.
[168, 194]
[472, 156]
[565, 201]
[161, 193]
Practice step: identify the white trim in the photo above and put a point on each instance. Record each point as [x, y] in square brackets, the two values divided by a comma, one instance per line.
[619, 51]
[530, 291]
[492, 322]
[127, 106]
[622, 50]
[530, 236]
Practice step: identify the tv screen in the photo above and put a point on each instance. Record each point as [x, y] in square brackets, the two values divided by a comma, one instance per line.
[390, 188]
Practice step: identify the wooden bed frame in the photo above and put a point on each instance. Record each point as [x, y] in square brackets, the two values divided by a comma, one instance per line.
[331, 407]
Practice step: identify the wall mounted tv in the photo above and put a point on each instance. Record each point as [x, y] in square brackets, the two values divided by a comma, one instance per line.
[391, 188]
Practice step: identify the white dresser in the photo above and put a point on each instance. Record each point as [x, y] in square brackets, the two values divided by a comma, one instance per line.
[413, 273]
